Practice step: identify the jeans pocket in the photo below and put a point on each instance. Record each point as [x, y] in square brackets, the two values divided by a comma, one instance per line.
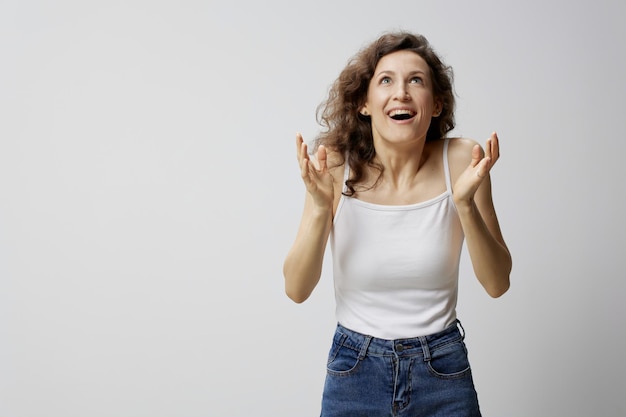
[450, 361]
[342, 360]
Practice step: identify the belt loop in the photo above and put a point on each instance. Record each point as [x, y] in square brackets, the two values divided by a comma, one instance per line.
[425, 349]
[366, 344]
[461, 329]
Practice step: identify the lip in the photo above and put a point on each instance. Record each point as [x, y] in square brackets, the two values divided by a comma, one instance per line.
[405, 121]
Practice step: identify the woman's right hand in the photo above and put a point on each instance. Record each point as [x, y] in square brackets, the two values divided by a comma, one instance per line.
[318, 181]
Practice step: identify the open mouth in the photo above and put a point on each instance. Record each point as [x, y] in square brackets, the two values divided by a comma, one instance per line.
[401, 114]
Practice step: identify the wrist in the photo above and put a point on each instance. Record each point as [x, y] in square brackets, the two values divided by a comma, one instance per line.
[464, 205]
[322, 212]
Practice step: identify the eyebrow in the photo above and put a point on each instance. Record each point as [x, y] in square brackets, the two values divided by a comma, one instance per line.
[393, 73]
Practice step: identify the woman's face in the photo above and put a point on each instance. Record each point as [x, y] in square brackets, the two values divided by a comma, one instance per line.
[400, 98]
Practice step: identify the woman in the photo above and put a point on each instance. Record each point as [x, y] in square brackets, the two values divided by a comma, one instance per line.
[396, 199]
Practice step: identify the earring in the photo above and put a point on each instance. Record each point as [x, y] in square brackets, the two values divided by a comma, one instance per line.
[364, 113]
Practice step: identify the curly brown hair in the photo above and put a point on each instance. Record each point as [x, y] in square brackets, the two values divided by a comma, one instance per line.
[348, 132]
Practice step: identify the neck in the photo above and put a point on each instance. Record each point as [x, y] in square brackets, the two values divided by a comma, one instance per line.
[401, 162]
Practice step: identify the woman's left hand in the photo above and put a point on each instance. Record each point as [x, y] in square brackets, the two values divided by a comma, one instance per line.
[478, 169]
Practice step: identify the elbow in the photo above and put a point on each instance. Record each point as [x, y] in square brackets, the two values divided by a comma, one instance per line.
[496, 291]
[295, 288]
[295, 293]
[500, 280]
[296, 297]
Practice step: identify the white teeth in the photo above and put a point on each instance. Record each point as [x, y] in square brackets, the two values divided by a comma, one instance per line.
[400, 111]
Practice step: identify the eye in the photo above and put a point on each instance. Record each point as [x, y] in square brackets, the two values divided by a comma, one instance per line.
[417, 80]
[385, 80]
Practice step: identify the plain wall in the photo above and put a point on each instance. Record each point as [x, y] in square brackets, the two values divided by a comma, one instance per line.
[149, 192]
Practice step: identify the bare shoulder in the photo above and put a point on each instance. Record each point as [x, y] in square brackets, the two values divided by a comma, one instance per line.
[336, 163]
[462, 145]
[460, 150]
[460, 154]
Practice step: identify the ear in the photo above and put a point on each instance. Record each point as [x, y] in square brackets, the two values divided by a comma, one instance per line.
[364, 111]
[438, 107]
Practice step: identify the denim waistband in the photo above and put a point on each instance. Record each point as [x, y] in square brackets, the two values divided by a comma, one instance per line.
[420, 345]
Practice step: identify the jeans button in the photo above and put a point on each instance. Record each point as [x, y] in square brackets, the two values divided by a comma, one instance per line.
[399, 347]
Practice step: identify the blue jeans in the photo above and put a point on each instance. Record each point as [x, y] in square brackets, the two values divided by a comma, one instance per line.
[418, 377]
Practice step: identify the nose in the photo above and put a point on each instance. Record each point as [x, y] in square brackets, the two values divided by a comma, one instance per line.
[402, 93]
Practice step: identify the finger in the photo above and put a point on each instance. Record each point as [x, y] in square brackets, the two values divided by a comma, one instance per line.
[322, 157]
[482, 169]
[492, 152]
[495, 146]
[476, 155]
[299, 141]
[303, 154]
[305, 171]
[488, 147]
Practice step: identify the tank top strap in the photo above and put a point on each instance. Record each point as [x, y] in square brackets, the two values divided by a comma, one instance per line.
[346, 174]
[446, 166]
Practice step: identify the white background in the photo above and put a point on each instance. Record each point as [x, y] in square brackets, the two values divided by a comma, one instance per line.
[149, 192]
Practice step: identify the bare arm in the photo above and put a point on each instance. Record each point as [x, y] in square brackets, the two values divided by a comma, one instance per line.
[303, 265]
[488, 252]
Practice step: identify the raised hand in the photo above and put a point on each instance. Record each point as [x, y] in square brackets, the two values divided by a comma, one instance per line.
[478, 169]
[318, 181]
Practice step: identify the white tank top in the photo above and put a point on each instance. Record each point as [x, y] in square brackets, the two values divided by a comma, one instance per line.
[396, 267]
